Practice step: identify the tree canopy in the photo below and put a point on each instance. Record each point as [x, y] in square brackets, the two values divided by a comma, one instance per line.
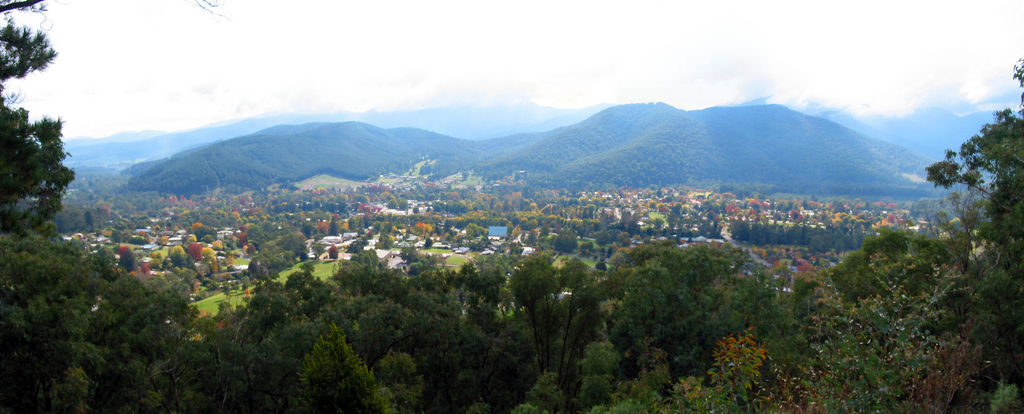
[32, 176]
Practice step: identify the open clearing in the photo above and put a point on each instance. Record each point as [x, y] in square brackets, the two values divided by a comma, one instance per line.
[321, 270]
[326, 181]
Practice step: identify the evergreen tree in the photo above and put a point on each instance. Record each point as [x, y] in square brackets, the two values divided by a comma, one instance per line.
[335, 380]
[32, 178]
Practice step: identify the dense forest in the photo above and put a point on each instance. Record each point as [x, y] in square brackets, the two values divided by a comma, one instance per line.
[628, 145]
[286, 154]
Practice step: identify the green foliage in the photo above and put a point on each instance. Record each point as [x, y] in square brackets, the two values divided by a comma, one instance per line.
[566, 241]
[598, 368]
[669, 302]
[335, 380]
[78, 333]
[737, 370]
[285, 154]
[32, 176]
[871, 351]
[561, 311]
[993, 164]
[1005, 400]
[643, 144]
[891, 258]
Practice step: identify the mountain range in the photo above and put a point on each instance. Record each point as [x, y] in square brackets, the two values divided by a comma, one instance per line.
[468, 122]
[631, 145]
[929, 131]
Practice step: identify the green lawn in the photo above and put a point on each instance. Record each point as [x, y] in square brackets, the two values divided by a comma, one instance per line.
[437, 251]
[415, 171]
[455, 260]
[240, 261]
[564, 258]
[212, 303]
[321, 270]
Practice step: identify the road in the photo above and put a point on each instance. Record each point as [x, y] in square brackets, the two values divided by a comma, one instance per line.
[728, 238]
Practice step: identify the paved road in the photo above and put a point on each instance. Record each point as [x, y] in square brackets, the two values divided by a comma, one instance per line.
[728, 238]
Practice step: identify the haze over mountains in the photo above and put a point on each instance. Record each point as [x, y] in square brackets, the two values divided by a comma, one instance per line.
[466, 122]
[633, 145]
[929, 131]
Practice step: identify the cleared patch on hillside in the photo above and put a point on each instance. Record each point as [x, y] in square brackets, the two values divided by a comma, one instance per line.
[326, 181]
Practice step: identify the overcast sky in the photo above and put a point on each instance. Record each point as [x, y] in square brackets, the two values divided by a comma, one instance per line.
[131, 65]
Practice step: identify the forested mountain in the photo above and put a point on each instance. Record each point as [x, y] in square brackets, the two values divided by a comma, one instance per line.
[284, 154]
[632, 145]
[643, 144]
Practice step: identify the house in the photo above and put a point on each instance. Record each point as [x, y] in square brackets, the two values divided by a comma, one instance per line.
[497, 231]
[528, 250]
[385, 255]
[396, 263]
[331, 240]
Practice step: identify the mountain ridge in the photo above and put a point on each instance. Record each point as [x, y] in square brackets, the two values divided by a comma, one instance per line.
[632, 145]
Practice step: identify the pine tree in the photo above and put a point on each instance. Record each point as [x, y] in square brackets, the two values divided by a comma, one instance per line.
[32, 176]
[335, 380]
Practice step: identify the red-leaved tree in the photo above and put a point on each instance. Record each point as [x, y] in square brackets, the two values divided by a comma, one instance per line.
[196, 251]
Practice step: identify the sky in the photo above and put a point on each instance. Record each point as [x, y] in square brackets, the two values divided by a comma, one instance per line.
[167, 65]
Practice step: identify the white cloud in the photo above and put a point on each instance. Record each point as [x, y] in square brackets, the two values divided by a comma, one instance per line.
[163, 64]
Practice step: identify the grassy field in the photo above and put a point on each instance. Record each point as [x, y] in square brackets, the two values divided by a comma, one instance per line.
[562, 260]
[240, 261]
[436, 251]
[472, 180]
[326, 181]
[212, 303]
[415, 171]
[321, 270]
[455, 260]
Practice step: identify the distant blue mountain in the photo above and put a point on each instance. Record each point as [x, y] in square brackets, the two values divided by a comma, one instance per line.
[467, 122]
[929, 131]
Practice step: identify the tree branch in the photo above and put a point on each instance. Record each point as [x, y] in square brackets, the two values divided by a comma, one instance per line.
[4, 8]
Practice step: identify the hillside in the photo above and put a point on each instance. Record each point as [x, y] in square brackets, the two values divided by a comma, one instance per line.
[284, 154]
[638, 145]
[644, 144]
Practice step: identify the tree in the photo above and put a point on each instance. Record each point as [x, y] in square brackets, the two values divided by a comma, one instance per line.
[127, 260]
[356, 246]
[992, 163]
[178, 257]
[989, 250]
[335, 380]
[561, 311]
[196, 251]
[566, 241]
[32, 176]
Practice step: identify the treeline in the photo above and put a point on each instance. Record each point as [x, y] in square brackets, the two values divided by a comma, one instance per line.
[663, 330]
[817, 239]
